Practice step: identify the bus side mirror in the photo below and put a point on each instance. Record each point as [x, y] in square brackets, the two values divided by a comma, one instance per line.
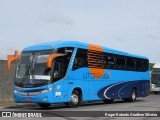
[12, 58]
[52, 57]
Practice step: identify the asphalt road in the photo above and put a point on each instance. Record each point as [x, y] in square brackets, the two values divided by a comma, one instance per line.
[150, 103]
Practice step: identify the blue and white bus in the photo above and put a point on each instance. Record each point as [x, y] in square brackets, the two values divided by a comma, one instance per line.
[72, 72]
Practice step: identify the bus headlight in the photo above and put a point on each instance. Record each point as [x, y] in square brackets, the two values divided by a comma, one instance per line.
[15, 91]
[26, 93]
[47, 90]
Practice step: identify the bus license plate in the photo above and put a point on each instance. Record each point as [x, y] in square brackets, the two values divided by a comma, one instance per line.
[28, 99]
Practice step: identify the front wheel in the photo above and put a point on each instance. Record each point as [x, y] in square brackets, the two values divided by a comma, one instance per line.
[75, 99]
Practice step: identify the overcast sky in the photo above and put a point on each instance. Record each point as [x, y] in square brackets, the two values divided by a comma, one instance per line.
[129, 25]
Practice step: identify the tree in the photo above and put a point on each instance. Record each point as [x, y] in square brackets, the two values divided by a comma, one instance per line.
[151, 66]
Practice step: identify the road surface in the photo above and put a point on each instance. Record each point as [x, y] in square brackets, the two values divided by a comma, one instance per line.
[150, 103]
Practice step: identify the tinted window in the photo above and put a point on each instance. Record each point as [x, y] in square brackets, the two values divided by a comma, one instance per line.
[145, 65]
[130, 64]
[139, 65]
[66, 50]
[61, 63]
[155, 78]
[120, 62]
[68, 53]
[60, 67]
[96, 59]
[80, 59]
[110, 59]
[101, 60]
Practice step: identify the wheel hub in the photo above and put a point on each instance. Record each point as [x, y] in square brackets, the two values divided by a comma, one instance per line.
[74, 99]
[133, 95]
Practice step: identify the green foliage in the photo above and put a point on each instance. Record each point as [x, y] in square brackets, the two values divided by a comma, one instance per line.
[151, 66]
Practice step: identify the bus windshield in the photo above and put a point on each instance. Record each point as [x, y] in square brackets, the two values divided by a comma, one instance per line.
[155, 78]
[158, 84]
[32, 69]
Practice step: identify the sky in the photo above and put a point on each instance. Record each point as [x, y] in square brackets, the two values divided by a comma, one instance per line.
[132, 26]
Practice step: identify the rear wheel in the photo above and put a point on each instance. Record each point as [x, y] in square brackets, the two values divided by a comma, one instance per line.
[44, 106]
[156, 93]
[109, 101]
[132, 97]
[75, 99]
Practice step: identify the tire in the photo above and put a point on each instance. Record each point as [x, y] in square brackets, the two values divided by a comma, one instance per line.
[156, 93]
[75, 99]
[109, 101]
[133, 96]
[44, 106]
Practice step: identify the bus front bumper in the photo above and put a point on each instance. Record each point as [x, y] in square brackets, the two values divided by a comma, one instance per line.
[48, 97]
[157, 89]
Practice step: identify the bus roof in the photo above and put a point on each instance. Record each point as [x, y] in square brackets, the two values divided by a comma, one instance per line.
[59, 44]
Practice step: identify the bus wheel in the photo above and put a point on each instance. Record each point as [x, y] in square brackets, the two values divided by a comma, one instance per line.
[109, 101]
[75, 99]
[156, 93]
[44, 106]
[132, 97]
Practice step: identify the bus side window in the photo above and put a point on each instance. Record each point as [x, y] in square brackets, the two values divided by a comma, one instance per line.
[60, 67]
[130, 64]
[120, 63]
[145, 65]
[139, 65]
[80, 59]
[110, 59]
